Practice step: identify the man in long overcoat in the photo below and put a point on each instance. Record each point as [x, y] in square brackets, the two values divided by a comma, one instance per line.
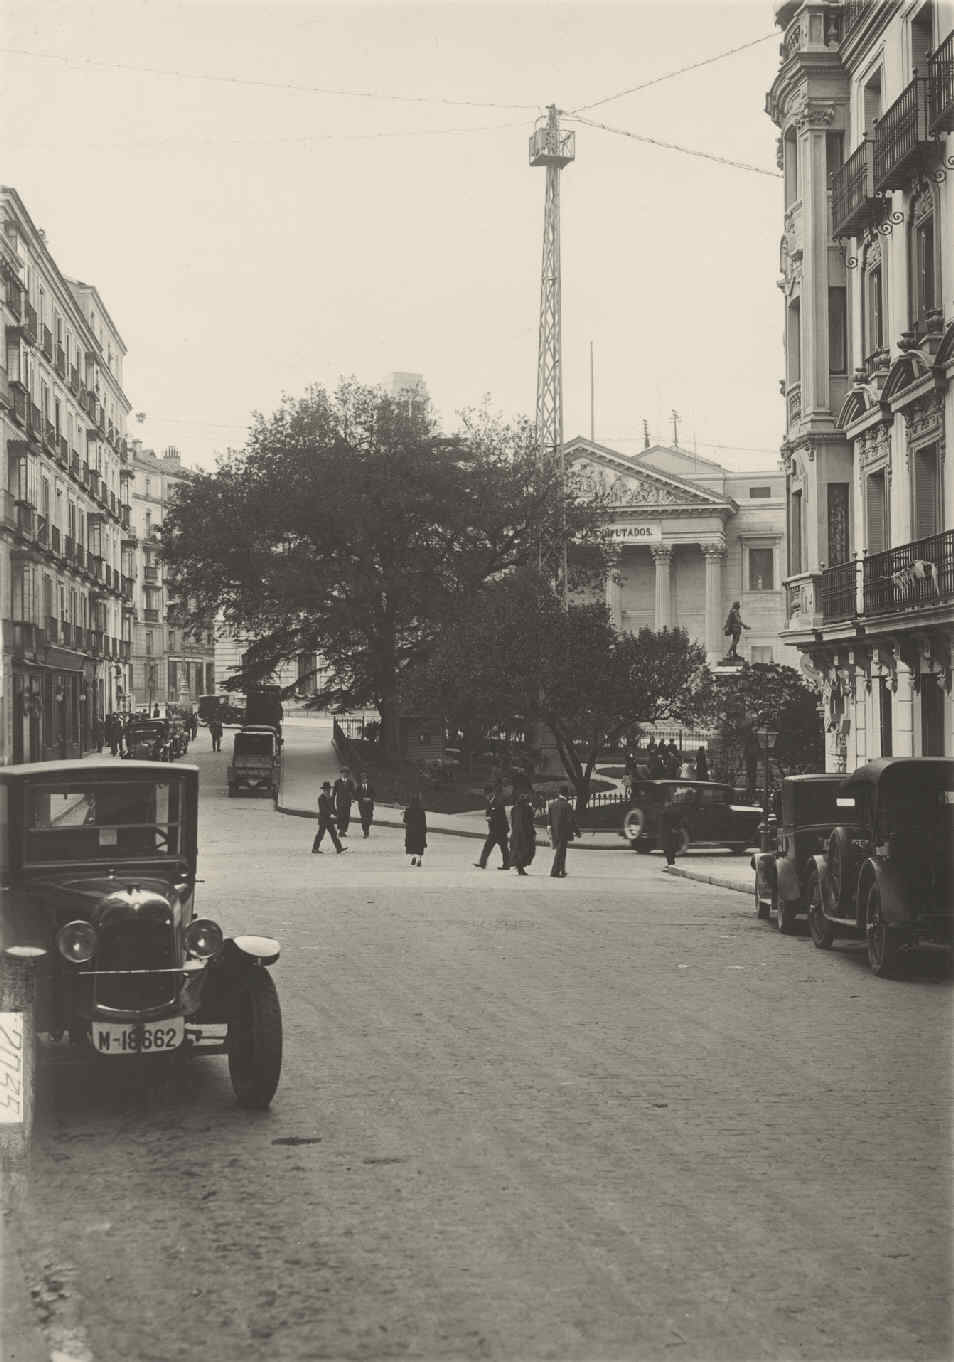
[326, 820]
[563, 828]
[523, 835]
[344, 793]
[497, 829]
[364, 793]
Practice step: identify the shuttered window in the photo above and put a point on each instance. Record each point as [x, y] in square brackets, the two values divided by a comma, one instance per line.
[885, 695]
[877, 529]
[926, 492]
[795, 533]
[932, 718]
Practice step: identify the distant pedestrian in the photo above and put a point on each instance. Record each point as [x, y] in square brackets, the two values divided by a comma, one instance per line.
[523, 835]
[415, 830]
[673, 759]
[326, 821]
[497, 829]
[193, 725]
[672, 830]
[215, 733]
[702, 764]
[563, 828]
[364, 794]
[344, 792]
[733, 627]
[155, 711]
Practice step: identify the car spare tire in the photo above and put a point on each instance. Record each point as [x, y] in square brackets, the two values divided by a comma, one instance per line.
[634, 825]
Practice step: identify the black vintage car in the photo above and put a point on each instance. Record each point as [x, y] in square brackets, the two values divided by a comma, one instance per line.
[149, 740]
[98, 868]
[782, 874]
[887, 873]
[707, 809]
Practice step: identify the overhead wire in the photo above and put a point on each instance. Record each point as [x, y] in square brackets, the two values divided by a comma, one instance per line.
[675, 146]
[670, 75]
[80, 62]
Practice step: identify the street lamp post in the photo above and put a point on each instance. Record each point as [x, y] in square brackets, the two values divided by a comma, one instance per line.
[768, 825]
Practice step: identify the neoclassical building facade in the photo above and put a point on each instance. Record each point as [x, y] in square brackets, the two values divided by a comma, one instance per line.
[690, 537]
[864, 103]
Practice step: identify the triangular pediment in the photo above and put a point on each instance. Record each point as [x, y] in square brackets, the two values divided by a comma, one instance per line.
[602, 471]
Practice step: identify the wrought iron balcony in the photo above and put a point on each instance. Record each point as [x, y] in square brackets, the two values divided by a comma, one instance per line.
[919, 574]
[901, 136]
[941, 87]
[854, 205]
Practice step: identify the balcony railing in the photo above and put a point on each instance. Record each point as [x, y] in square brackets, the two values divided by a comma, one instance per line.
[900, 137]
[917, 574]
[34, 421]
[794, 403]
[853, 202]
[29, 322]
[941, 87]
[838, 592]
[46, 341]
[150, 573]
[150, 615]
[853, 11]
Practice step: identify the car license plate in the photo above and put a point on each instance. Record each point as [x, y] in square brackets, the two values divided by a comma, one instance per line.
[113, 1038]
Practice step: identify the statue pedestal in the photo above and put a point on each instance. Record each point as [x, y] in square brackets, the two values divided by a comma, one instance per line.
[549, 765]
[728, 666]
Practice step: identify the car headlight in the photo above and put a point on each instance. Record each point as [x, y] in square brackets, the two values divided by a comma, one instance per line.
[203, 938]
[77, 941]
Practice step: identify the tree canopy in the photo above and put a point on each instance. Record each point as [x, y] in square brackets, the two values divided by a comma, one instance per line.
[766, 695]
[352, 528]
[515, 658]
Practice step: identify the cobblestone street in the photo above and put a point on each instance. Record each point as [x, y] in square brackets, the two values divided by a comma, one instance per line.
[613, 1116]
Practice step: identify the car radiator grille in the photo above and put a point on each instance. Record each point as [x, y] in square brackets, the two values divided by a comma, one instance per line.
[135, 944]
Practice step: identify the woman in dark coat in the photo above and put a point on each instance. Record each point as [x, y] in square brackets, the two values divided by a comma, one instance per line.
[415, 830]
[523, 836]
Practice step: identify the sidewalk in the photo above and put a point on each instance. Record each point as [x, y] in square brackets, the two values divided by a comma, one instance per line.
[710, 867]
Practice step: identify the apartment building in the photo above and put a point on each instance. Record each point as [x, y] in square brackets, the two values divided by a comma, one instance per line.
[864, 103]
[170, 664]
[65, 573]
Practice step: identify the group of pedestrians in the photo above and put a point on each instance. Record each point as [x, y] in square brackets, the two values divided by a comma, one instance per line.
[517, 838]
[335, 803]
[667, 762]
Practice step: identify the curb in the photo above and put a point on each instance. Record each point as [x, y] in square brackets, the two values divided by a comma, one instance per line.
[719, 881]
[578, 845]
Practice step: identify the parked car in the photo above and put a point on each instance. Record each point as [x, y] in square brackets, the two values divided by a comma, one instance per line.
[179, 735]
[99, 870]
[149, 740]
[710, 814]
[887, 873]
[782, 874]
[256, 761]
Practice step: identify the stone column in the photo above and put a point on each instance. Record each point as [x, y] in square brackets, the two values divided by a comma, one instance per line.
[614, 587]
[715, 600]
[662, 560]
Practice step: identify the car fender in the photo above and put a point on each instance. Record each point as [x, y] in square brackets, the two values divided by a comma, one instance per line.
[766, 874]
[894, 899]
[221, 978]
[789, 885]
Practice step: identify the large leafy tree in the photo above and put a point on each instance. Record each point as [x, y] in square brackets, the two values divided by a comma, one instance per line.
[766, 695]
[517, 658]
[351, 527]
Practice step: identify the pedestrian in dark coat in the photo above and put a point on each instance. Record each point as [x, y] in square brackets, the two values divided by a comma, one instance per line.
[523, 835]
[563, 828]
[193, 725]
[497, 829]
[365, 797]
[702, 764]
[672, 826]
[673, 759]
[326, 821]
[415, 830]
[344, 792]
[215, 733]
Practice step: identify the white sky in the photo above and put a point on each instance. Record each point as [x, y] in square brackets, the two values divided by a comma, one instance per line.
[250, 240]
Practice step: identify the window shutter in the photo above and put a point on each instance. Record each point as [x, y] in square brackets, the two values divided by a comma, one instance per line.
[925, 492]
[875, 499]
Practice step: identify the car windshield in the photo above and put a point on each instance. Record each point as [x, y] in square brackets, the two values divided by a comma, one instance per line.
[813, 802]
[112, 821]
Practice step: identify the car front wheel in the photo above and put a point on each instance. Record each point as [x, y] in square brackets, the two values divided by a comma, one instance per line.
[884, 944]
[821, 930]
[255, 1040]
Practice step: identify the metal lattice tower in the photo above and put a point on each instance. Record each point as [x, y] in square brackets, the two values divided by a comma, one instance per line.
[553, 149]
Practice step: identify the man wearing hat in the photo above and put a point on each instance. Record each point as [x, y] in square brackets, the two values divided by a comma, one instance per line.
[326, 821]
